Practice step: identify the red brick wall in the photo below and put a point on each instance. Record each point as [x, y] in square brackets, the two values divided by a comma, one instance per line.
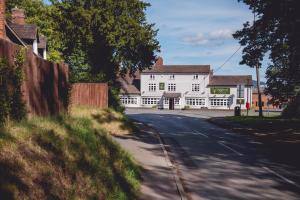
[2, 19]
[18, 16]
[46, 83]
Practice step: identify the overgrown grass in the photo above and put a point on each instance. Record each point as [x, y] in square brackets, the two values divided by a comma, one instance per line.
[65, 157]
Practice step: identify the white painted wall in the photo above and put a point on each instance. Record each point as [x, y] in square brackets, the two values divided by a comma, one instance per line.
[183, 84]
[35, 47]
[45, 54]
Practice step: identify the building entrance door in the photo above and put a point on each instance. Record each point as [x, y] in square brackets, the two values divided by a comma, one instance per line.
[171, 104]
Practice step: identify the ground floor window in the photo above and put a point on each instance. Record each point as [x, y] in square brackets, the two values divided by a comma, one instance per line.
[195, 102]
[128, 100]
[151, 101]
[220, 102]
[176, 101]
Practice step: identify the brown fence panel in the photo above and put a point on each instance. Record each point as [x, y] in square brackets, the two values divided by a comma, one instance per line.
[45, 87]
[90, 94]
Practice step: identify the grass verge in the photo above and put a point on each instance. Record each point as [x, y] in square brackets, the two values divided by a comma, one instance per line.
[66, 157]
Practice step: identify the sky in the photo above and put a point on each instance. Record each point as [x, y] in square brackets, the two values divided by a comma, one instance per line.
[200, 32]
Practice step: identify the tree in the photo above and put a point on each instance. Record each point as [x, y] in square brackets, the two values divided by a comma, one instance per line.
[109, 38]
[275, 31]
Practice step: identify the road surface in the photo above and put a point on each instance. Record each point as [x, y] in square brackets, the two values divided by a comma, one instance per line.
[216, 164]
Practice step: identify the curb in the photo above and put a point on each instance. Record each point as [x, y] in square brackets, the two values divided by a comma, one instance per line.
[182, 193]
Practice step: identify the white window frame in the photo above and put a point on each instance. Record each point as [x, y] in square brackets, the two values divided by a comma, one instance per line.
[196, 87]
[172, 87]
[152, 87]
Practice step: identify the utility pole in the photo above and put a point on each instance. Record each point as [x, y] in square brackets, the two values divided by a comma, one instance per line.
[258, 91]
[258, 79]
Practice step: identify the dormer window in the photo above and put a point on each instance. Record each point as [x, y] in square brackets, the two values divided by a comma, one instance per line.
[152, 77]
[172, 77]
[196, 77]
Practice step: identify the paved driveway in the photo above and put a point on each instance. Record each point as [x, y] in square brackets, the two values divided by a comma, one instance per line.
[217, 164]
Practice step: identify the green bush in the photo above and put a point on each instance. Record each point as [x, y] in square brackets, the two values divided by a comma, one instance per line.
[293, 109]
[12, 105]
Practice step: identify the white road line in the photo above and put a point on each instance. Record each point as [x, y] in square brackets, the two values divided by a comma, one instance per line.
[204, 135]
[282, 177]
[231, 149]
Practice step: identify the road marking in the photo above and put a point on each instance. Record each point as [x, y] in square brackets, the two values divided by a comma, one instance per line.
[282, 177]
[231, 149]
[204, 135]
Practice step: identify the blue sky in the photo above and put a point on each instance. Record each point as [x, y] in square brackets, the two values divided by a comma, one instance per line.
[200, 32]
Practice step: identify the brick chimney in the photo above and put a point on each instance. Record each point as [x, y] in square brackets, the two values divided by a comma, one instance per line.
[18, 16]
[159, 61]
[2, 19]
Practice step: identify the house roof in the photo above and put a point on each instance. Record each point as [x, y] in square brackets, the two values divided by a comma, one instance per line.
[130, 84]
[25, 31]
[179, 69]
[230, 80]
[172, 95]
[42, 42]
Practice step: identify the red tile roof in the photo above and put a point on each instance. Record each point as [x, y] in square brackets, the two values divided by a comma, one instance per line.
[188, 69]
[25, 31]
[230, 80]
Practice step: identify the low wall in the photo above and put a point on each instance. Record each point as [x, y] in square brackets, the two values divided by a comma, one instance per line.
[45, 86]
[90, 94]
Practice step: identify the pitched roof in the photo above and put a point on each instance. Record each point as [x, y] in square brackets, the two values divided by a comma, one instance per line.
[179, 69]
[25, 31]
[42, 42]
[130, 84]
[230, 80]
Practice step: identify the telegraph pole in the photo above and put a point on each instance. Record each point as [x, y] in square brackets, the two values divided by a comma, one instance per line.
[258, 79]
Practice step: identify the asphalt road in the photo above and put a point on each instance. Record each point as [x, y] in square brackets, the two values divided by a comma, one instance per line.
[217, 164]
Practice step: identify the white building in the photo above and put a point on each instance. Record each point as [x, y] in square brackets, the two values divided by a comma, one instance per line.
[185, 86]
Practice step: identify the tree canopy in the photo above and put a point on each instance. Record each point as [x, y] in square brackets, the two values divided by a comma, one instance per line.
[106, 37]
[275, 32]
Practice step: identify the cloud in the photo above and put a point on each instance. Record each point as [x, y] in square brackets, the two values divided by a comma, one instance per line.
[214, 37]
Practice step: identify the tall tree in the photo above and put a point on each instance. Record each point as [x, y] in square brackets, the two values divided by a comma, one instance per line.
[110, 37]
[275, 31]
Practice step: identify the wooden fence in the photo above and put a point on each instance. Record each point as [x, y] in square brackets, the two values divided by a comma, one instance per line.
[45, 88]
[90, 94]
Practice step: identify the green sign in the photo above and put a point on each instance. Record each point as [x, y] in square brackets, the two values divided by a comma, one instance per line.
[220, 90]
[161, 86]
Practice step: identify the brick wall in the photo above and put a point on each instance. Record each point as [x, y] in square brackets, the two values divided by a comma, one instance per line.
[2, 19]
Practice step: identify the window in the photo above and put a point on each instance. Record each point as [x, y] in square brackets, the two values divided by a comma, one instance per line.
[195, 102]
[150, 101]
[196, 77]
[152, 77]
[176, 101]
[219, 102]
[152, 87]
[172, 77]
[128, 100]
[171, 87]
[240, 91]
[195, 87]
